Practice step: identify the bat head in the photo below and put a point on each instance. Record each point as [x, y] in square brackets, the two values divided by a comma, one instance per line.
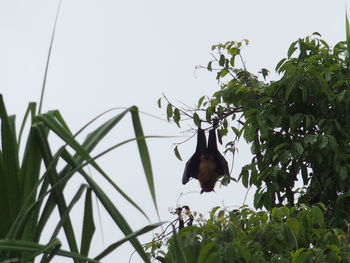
[208, 186]
[202, 191]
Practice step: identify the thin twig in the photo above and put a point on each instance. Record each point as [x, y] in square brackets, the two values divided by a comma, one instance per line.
[229, 72]
[182, 142]
[246, 195]
[182, 194]
[240, 56]
[161, 236]
[188, 108]
[182, 111]
[204, 67]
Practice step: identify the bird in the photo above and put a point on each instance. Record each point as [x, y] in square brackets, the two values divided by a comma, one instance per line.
[207, 164]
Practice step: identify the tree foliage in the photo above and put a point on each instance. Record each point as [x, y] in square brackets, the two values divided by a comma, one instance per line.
[297, 234]
[299, 132]
[297, 126]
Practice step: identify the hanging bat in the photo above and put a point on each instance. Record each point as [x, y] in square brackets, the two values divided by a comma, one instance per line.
[206, 164]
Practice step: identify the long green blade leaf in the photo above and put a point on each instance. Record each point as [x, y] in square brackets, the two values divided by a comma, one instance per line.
[20, 245]
[127, 238]
[48, 58]
[5, 221]
[111, 209]
[58, 192]
[88, 224]
[10, 164]
[347, 27]
[68, 138]
[64, 217]
[145, 158]
[31, 109]
[29, 177]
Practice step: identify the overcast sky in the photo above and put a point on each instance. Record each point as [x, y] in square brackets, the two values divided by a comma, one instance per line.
[110, 53]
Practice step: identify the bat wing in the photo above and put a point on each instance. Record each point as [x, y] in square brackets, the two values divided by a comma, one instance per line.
[191, 168]
[222, 165]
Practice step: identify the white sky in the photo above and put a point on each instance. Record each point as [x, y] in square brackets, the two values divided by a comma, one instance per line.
[121, 53]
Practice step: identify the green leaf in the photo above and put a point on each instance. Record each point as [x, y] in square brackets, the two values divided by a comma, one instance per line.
[223, 72]
[169, 111]
[279, 64]
[280, 213]
[88, 225]
[245, 177]
[323, 141]
[82, 152]
[310, 138]
[281, 146]
[30, 110]
[36, 249]
[196, 119]
[317, 215]
[343, 173]
[234, 51]
[304, 94]
[347, 27]
[290, 240]
[177, 154]
[10, 163]
[115, 245]
[179, 249]
[265, 73]
[65, 214]
[213, 258]
[258, 198]
[91, 141]
[222, 60]
[209, 68]
[29, 178]
[57, 191]
[289, 90]
[284, 157]
[242, 251]
[48, 59]
[307, 122]
[212, 213]
[304, 174]
[200, 101]
[299, 148]
[232, 61]
[206, 251]
[177, 117]
[294, 225]
[235, 130]
[299, 256]
[107, 203]
[144, 155]
[96, 136]
[249, 133]
[333, 143]
[159, 103]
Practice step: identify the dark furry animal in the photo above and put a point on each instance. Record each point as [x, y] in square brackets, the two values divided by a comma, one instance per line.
[206, 164]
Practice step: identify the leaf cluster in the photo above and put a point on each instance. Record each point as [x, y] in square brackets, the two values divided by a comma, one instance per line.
[297, 235]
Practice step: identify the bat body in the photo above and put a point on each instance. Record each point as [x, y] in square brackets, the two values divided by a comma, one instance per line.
[206, 164]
